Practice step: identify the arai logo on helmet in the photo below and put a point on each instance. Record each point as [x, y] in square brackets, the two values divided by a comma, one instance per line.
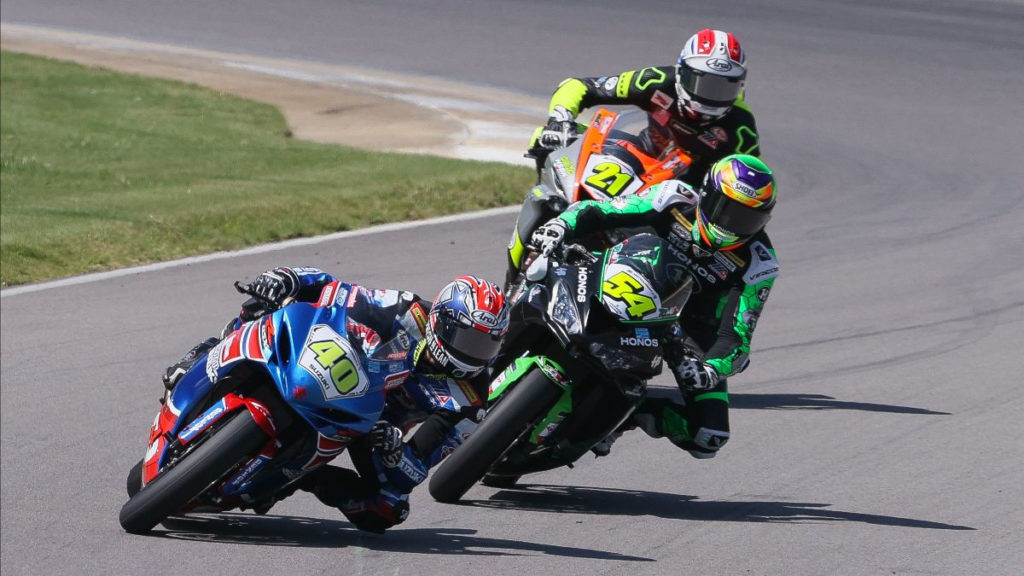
[718, 64]
[484, 317]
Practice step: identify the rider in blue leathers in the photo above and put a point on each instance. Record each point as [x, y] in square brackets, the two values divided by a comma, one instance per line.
[453, 340]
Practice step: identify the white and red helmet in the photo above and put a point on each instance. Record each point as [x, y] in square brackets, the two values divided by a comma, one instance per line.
[466, 324]
[710, 74]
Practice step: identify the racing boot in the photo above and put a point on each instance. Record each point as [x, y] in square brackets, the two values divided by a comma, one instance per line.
[176, 371]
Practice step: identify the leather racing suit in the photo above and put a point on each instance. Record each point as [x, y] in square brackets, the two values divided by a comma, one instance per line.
[654, 91]
[375, 496]
[718, 321]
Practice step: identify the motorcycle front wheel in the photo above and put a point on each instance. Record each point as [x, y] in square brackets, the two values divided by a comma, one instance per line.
[508, 420]
[227, 447]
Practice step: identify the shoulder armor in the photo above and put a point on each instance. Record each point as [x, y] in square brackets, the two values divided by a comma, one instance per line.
[763, 264]
[672, 192]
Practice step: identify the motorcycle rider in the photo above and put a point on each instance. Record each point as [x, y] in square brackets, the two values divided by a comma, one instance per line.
[696, 105]
[716, 234]
[453, 340]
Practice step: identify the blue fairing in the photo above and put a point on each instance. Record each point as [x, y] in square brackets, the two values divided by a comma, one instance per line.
[328, 380]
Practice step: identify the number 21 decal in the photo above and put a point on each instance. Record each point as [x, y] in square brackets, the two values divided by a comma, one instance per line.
[609, 177]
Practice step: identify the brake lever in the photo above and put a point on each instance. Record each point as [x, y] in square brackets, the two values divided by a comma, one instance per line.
[584, 255]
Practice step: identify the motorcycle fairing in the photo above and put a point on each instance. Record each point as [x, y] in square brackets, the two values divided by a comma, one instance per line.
[334, 386]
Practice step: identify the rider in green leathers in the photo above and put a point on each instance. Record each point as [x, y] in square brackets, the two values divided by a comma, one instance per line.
[715, 233]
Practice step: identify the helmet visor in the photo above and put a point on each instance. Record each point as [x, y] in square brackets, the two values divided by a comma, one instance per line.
[465, 343]
[723, 212]
[709, 89]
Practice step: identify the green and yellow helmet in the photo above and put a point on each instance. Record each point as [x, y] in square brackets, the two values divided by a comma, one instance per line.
[736, 202]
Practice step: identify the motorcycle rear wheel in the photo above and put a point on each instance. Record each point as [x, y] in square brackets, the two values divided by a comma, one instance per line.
[507, 421]
[237, 440]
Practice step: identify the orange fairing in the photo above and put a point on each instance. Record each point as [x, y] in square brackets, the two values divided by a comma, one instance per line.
[593, 141]
[672, 163]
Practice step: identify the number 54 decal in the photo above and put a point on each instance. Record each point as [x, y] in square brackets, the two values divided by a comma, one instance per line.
[332, 361]
[626, 293]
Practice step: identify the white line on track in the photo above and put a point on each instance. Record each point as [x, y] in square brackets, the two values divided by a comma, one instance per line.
[100, 276]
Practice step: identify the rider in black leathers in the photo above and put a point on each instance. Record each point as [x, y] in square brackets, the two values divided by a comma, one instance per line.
[697, 104]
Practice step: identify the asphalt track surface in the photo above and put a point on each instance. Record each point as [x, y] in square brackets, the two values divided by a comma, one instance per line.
[878, 430]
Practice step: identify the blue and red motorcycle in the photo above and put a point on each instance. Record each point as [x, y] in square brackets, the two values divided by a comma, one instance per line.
[274, 400]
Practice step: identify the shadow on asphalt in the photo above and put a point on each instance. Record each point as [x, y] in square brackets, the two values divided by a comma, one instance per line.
[816, 402]
[617, 502]
[297, 531]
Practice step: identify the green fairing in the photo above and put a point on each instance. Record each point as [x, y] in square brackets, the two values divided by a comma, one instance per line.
[520, 367]
[554, 417]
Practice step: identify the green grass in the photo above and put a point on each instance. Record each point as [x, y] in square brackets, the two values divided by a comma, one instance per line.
[103, 170]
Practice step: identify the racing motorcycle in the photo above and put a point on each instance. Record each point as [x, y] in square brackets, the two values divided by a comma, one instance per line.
[584, 338]
[610, 159]
[274, 400]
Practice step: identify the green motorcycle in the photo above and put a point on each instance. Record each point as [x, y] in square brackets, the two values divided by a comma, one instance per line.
[585, 336]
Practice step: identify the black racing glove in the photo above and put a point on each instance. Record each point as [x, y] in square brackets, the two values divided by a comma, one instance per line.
[387, 441]
[277, 285]
[560, 131]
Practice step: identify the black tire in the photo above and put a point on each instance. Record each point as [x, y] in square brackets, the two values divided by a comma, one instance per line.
[238, 439]
[134, 481]
[495, 481]
[532, 397]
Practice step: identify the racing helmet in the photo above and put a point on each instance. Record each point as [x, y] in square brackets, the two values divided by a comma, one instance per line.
[736, 201]
[710, 75]
[465, 326]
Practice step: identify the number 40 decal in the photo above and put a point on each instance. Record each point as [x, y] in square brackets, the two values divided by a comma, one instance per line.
[330, 356]
[332, 361]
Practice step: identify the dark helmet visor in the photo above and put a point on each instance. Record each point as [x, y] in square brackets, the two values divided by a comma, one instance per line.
[709, 89]
[465, 343]
[728, 214]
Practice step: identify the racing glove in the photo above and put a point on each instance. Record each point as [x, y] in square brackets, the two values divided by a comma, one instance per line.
[560, 131]
[277, 285]
[695, 376]
[549, 236]
[387, 442]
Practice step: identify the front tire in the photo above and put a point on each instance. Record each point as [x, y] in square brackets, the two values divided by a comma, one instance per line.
[512, 416]
[238, 439]
[134, 481]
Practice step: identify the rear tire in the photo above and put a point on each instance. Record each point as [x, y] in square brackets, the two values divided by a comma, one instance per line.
[238, 439]
[512, 416]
